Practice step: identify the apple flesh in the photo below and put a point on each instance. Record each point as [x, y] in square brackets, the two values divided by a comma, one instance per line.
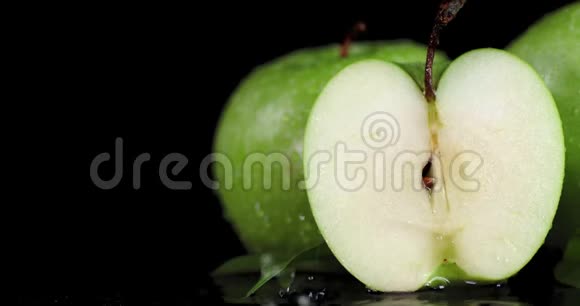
[494, 141]
[267, 114]
[552, 47]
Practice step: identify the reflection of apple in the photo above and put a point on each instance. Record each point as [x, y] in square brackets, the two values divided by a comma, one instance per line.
[552, 47]
[268, 114]
[495, 148]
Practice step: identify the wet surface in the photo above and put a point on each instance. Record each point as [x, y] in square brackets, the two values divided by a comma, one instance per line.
[318, 289]
[533, 285]
[344, 290]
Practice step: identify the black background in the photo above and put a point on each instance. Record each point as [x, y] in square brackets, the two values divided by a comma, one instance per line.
[158, 76]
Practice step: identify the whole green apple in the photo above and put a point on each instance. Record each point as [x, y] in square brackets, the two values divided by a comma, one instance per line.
[552, 47]
[261, 134]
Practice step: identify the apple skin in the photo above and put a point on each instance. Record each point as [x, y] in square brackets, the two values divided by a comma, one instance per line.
[552, 47]
[266, 114]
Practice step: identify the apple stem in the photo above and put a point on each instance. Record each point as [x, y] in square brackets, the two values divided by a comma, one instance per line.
[448, 9]
[358, 28]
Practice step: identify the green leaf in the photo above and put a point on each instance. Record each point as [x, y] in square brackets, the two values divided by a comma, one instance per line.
[568, 270]
[312, 260]
[272, 266]
[239, 265]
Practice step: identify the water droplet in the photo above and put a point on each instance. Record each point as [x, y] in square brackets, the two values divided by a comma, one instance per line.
[439, 237]
[303, 300]
[258, 209]
[266, 260]
[286, 278]
[438, 282]
[282, 293]
[320, 294]
[371, 291]
[301, 185]
[310, 278]
[301, 217]
[471, 283]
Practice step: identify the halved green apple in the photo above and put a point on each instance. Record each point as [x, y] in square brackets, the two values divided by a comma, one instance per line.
[399, 186]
